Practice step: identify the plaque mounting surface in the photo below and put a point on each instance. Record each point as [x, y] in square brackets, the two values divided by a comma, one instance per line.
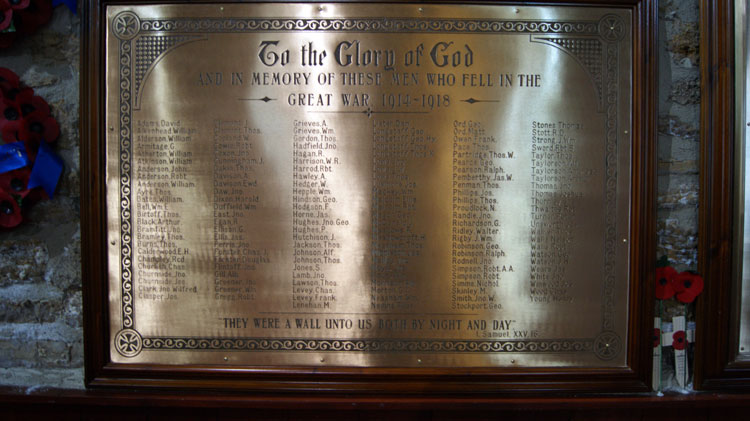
[332, 186]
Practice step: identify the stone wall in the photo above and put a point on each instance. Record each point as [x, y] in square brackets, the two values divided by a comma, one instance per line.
[678, 159]
[679, 132]
[40, 275]
[41, 335]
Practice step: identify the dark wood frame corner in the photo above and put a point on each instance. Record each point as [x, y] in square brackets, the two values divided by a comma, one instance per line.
[395, 383]
[716, 367]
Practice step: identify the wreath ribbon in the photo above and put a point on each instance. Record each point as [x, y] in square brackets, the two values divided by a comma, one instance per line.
[46, 170]
[72, 4]
[13, 156]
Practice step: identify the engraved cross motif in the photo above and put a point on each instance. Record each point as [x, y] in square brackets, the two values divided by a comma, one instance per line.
[607, 345]
[611, 28]
[128, 343]
[126, 25]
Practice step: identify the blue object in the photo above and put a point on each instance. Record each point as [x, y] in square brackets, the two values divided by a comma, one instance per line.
[47, 169]
[72, 4]
[13, 156]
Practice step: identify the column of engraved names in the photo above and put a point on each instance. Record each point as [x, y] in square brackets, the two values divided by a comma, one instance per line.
[555, 173]
[315, 229]
[236, 200]
[161, 174]
[395, 242]
[479, 175]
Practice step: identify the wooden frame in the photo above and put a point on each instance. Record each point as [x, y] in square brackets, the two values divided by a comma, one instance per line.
[716, 366]
[635, 377]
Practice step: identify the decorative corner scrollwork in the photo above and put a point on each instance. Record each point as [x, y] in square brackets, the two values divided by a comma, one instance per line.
[149, 50]
[587, 51]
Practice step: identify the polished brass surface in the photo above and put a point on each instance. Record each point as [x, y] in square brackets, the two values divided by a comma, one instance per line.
[369, 185]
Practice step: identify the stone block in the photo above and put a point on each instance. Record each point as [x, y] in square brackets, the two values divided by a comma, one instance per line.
[64, 268]
[677, 233]
[686, 91]
[16, 354]
[50, 353]
[23, 261]
[37, 344]
[674, 149]
[73, 310]
[679, 10]
[30, 303]
[677, 191]
[34, 379]
[673, 125]
[683, 42]
[76, 354]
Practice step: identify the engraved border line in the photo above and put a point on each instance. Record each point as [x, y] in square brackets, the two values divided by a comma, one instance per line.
[373, 25]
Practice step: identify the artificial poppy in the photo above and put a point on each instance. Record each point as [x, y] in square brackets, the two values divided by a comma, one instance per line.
[665, 282]
[35, 15]
[19, 4]
[28, 102]
[35, 195]
[688, 286]
[15, 182]
[679, 340]
[657, 337]
[6, 15]
[36, 127]
[10, 212]
[9, 131]
[9, 111]
[8, 80]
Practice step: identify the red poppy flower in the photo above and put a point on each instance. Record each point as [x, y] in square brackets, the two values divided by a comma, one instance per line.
[10, 212]
[19, 4]
[15, 182]
[35, 15]
[35, 195]
[688, 286]
[9, 111]
[679, 340]
[6, 15]
[9, 131]
[657, 337]
[665, 282]
[8, 80]
[37, 126]
[28, 102]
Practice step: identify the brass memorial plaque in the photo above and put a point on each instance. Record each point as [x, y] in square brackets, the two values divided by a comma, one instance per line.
[382, 185]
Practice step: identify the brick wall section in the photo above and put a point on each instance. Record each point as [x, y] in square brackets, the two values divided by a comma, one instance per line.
[40, 276]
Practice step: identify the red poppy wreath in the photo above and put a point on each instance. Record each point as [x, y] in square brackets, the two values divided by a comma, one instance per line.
[27, 162]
